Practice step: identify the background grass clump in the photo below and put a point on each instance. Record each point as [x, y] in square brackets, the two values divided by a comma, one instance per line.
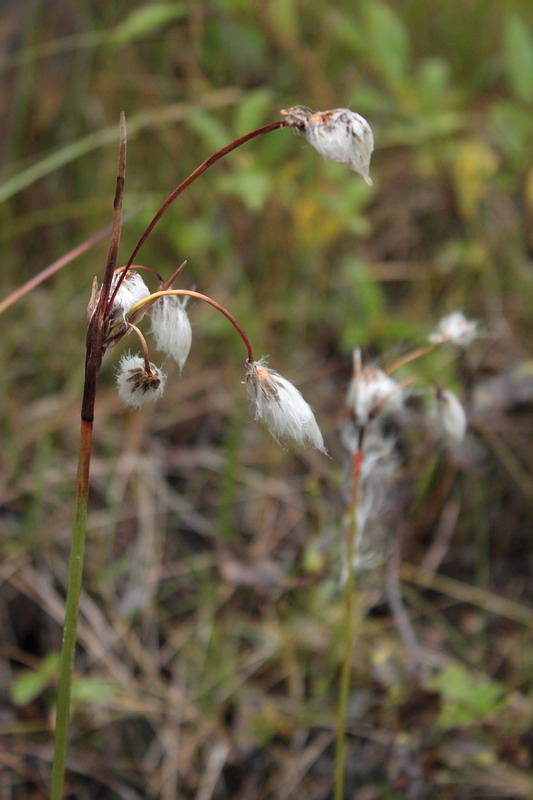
[209, 636]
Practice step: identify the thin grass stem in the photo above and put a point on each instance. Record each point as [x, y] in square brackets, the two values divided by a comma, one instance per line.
[94, 351]
[68, 649]
[46, 273]
[348, 624]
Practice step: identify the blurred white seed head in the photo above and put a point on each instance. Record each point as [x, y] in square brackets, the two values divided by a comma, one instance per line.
[340, 135]
[371, 391]
[448, 416]
[455, 328]
[281, 407]
[135, 384]
[378, 501]
[132, 289]
[171, 327]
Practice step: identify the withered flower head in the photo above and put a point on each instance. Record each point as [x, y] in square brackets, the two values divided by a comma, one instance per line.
[137, 385]
[340, 135]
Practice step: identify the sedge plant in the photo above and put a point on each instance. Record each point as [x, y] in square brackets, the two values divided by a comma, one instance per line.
[373, 397]
[122, 299]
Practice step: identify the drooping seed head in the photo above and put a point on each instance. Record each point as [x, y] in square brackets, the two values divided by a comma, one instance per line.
[137, 385]
[448, 415]
[281, 407]
[171, 327]
[340, 135]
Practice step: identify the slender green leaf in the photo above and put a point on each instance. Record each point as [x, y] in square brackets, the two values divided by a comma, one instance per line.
[210, 130]
[147, 20]
[518, 58]
[388, 42]
[251, 111]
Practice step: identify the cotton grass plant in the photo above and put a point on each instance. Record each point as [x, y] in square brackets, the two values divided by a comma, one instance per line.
[374, 397]
[119, 303]
[116, 310]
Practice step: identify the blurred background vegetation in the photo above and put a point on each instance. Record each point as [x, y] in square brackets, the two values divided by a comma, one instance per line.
[209, 635]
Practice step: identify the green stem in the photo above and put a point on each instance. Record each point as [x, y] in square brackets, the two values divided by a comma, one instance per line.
[68, 648]
[96, 331]
[348, 625]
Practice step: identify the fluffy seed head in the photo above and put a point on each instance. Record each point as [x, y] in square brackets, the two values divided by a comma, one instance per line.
[132, 289]
[455, 328]
[371, 391]
[340, 135]
[448, 416]
[171, 327]
[281, 407]
[137, 385]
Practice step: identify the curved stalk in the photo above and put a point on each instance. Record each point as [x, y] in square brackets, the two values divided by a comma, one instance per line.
[180, 188]
[190, 293]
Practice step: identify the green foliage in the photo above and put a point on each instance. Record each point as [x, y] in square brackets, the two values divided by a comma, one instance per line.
[518, 58]
[362, 305]
[28, 685]
[466, 700]
[387, 42]
[252, 111]
[93, 690]
[148, 20]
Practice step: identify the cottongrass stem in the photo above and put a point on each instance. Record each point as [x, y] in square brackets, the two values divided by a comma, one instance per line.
[348, 622]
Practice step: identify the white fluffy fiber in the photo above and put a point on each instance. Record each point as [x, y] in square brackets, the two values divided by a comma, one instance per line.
[172, 328]
[281, 407]
[135, 386]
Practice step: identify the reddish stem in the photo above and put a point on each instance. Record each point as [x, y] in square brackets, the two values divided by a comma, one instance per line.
[53, 268]
[272, 126]
[206, 299]
[422, 351]
[138, 267]
[144, 346]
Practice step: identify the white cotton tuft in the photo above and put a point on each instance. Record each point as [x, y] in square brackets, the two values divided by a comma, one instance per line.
[172, 328]
[371, 392]
[340, 135]
[455, 328]
[137, 386]
[132, 289]
[281, 407]
[448, 416]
